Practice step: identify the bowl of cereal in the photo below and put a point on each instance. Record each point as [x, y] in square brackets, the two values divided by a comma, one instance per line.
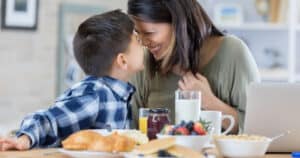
[242, 146]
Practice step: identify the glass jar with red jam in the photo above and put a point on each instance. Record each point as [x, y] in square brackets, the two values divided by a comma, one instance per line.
[157, 119]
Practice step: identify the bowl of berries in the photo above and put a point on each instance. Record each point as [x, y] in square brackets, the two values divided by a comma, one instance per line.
[190, 134]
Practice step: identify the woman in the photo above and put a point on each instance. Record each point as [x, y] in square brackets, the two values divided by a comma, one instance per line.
[187, 52]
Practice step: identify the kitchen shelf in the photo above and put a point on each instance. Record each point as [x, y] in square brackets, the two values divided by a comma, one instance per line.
[257, 27]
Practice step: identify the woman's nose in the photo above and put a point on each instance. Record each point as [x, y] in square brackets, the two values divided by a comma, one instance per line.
[146, 42]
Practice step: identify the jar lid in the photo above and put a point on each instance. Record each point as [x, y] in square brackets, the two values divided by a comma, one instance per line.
[159, 110]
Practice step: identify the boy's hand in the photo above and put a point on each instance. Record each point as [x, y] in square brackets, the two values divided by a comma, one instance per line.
[21, 143]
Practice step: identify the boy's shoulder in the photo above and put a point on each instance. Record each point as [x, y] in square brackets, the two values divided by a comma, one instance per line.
[88, 86]
[98, 87]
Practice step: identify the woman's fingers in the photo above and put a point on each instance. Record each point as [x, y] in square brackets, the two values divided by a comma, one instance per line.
[187, 83]
[192, 82]
[181, 85]
[189, 75]
[185, 79]
[200, 77]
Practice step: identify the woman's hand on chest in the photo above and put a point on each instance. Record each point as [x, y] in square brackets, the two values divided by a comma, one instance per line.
[199, 83]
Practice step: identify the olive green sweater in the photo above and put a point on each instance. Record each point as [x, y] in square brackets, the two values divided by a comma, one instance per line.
[229, 73]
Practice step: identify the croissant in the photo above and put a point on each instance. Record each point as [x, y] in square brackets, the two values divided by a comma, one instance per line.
[104, 144]
[122, 143]
[81, 140]
[93, 141]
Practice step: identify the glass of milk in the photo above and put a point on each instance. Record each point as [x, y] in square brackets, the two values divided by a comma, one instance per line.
[187, 105]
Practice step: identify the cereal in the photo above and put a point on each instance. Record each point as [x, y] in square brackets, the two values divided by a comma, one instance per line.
[243, 137]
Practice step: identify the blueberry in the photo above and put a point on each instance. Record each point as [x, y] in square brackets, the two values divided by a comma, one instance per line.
[190, 126]
[193, 133]
[182, 123]
[164, 153]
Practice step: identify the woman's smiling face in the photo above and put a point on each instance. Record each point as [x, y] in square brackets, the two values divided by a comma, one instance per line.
[155, 36]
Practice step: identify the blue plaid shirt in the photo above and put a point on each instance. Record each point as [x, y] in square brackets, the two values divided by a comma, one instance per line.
[93, 103]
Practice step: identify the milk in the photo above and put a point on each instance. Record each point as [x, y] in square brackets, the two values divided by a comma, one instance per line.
[187, 110]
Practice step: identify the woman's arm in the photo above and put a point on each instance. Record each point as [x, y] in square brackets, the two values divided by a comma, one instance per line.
[209, 100]
[238, 71]
[216, 104]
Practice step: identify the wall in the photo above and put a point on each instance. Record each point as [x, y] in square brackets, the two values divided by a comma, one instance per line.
[27, 61]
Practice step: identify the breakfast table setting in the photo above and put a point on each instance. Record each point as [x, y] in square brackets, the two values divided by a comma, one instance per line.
[202, 147]
[55, 153]
[194, 134]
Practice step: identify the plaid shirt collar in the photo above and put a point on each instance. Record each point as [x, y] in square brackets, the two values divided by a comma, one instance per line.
[123, 89]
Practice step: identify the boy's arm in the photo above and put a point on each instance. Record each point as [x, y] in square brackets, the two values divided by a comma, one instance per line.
[48, 128]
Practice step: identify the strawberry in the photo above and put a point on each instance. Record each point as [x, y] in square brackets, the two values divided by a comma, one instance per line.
[199, 129]
[182, 131]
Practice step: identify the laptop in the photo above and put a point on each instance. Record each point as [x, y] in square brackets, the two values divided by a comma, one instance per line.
[274, 108]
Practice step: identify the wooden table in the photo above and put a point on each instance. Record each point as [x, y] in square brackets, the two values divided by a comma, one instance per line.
[54, 153]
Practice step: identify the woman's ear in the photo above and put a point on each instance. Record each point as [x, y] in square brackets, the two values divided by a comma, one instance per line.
[121, 61]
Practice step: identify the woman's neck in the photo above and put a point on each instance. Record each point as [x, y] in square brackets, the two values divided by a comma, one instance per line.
[178, 71]
[209, 49]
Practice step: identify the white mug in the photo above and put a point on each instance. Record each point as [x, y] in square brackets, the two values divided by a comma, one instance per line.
[216, 118]
[187, 106]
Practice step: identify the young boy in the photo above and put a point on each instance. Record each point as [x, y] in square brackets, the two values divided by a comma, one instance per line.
[109, 53]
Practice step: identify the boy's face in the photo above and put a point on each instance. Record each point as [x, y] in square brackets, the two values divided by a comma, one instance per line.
[135, 54]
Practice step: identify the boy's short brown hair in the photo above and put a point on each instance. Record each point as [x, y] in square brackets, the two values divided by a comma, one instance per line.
[99, 39]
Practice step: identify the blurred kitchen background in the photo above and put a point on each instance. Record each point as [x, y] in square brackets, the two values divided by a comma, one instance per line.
[36, 61]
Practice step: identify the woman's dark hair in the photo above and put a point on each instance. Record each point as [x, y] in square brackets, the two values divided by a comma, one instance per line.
[99, 39]
[191, 27]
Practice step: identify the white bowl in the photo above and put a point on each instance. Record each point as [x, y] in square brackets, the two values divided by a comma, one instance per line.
[236, 148]
[195, 142]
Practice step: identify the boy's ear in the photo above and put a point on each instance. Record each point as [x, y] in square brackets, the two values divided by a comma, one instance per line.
[121, 61]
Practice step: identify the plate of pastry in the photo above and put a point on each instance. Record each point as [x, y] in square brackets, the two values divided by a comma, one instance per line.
[123, 143]
[90, 154]
[95, 143]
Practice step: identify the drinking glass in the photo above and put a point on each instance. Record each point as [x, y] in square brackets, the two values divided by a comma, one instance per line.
[143, 118]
